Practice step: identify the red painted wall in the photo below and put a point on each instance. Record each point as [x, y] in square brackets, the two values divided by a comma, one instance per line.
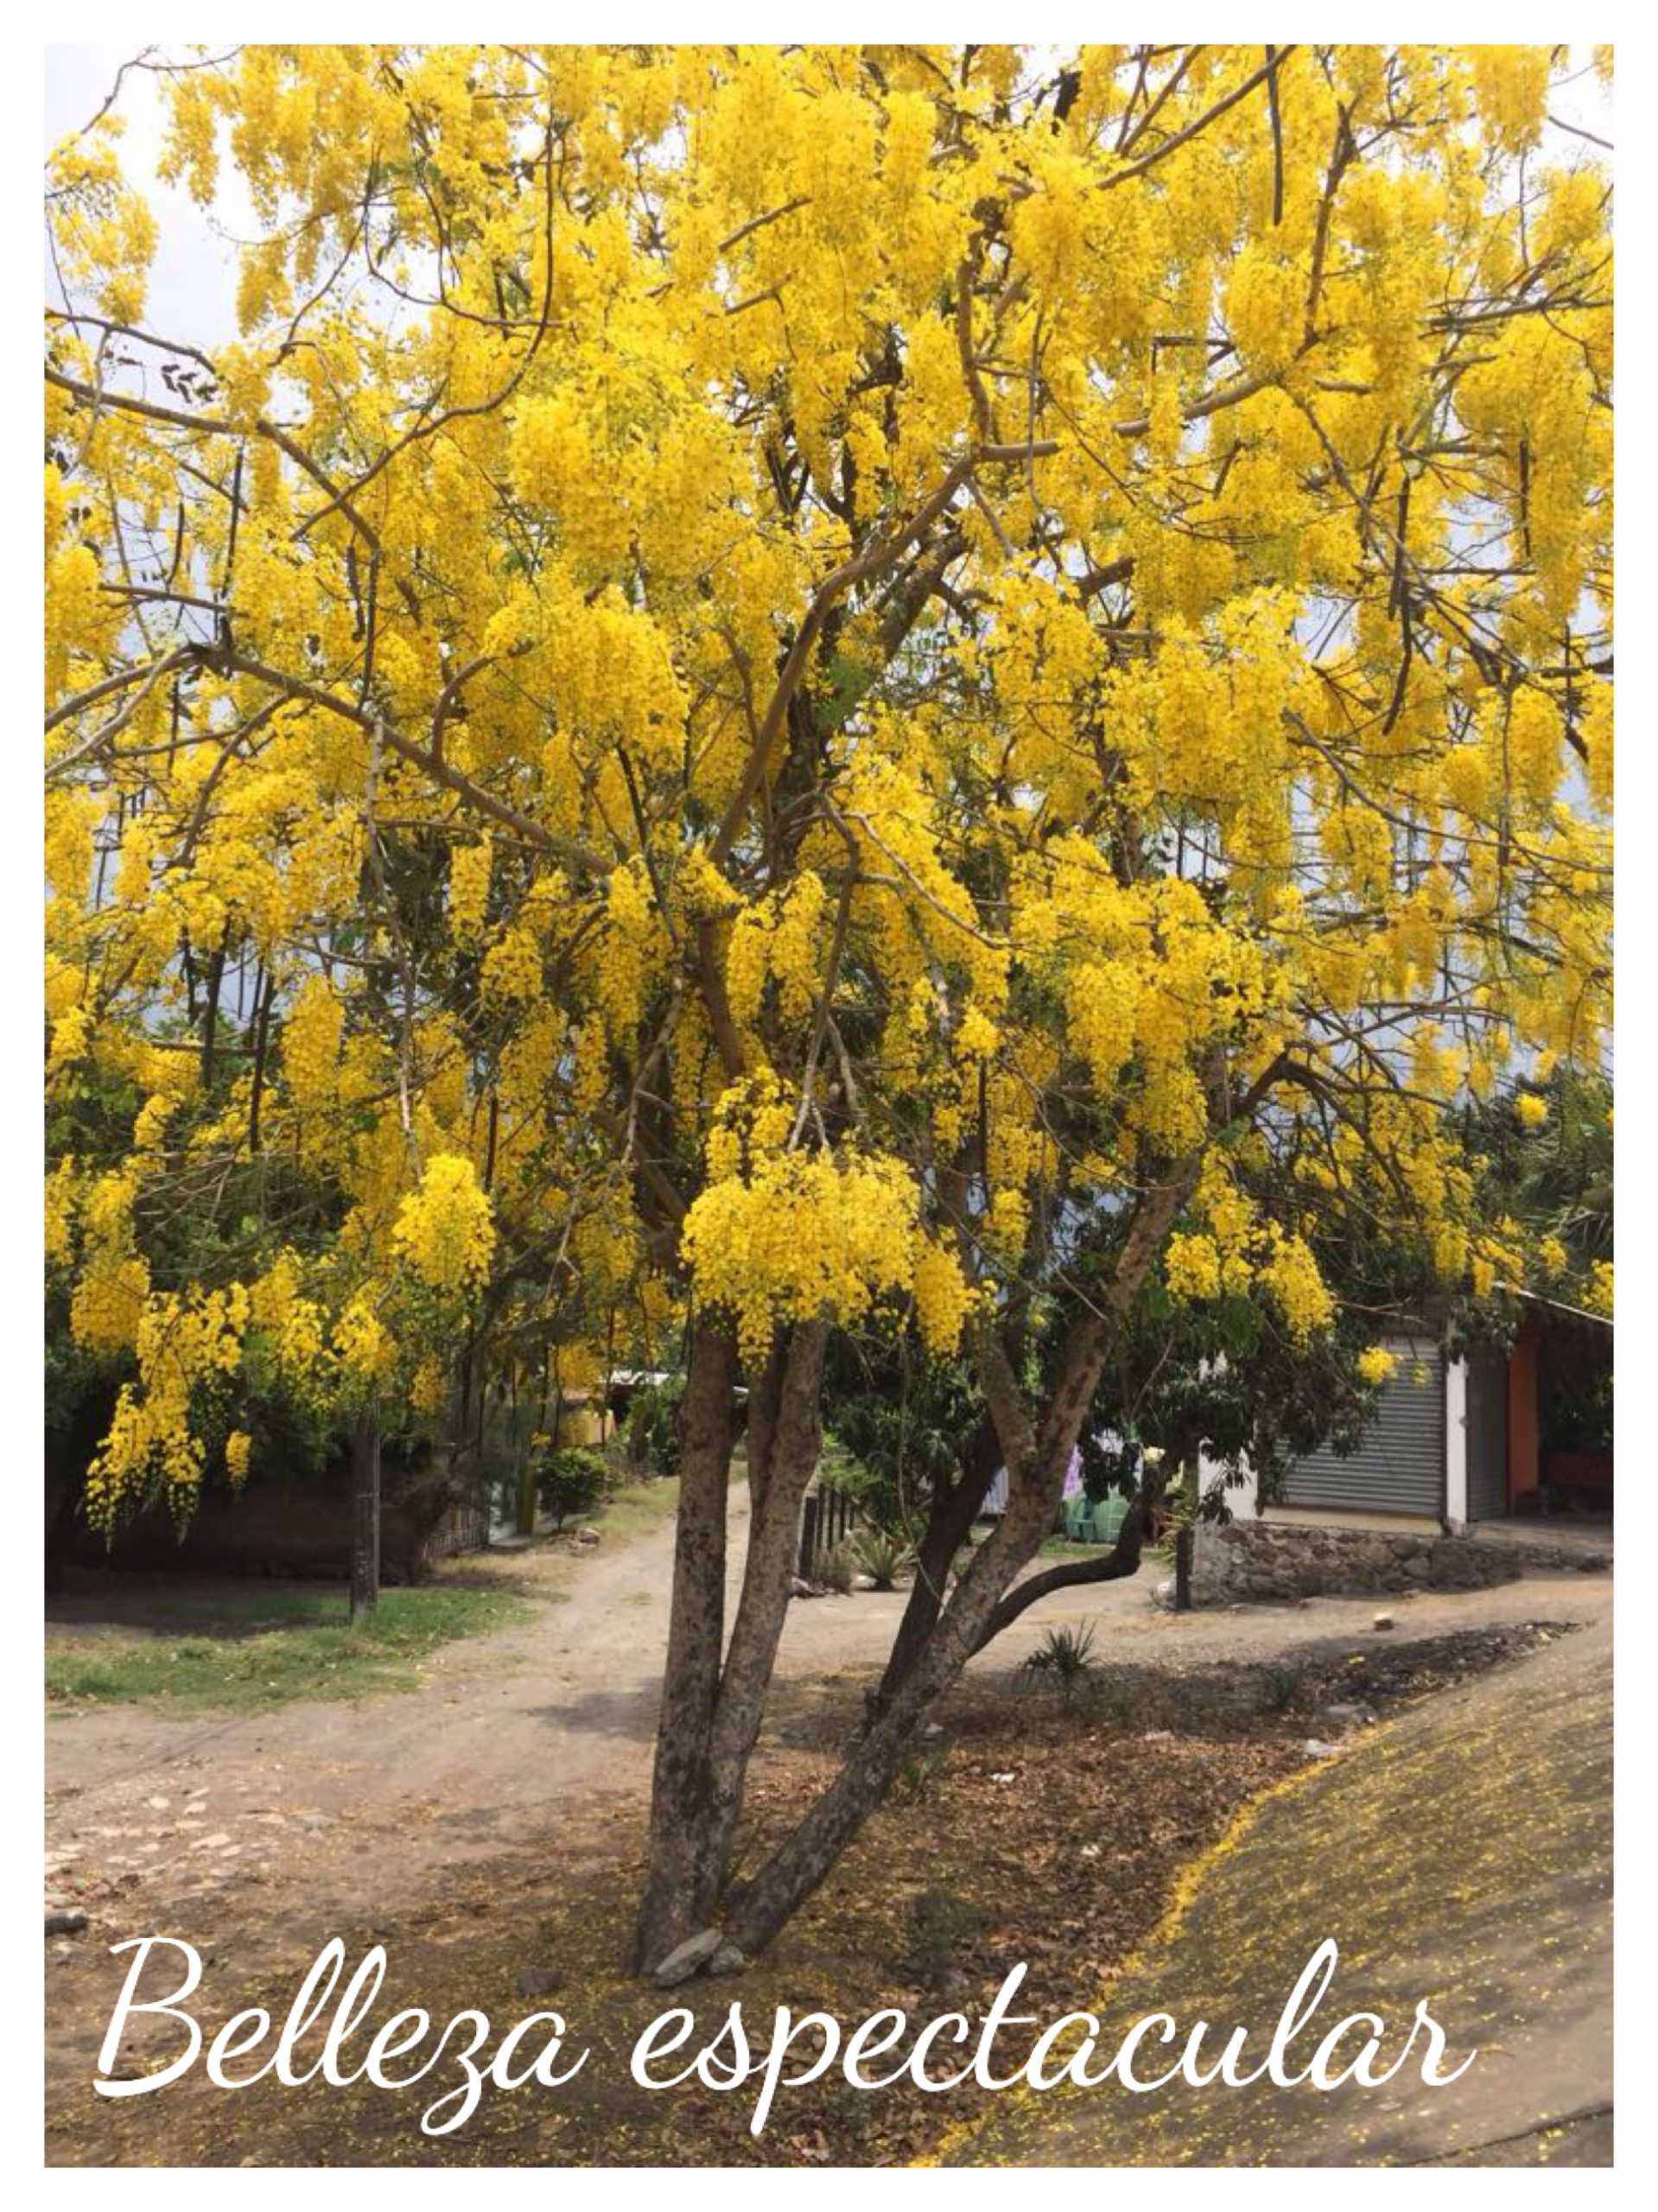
[1525, 1457]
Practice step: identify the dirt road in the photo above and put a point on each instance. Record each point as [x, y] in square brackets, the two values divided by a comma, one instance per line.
[513, 1734]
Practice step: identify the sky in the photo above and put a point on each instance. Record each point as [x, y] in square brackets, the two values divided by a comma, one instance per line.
[193, 286]
[192, 293]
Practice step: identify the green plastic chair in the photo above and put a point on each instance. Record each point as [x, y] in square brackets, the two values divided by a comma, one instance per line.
[1109, 1515]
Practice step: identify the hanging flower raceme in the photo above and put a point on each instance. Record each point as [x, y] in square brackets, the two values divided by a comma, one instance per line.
[445, 1231]
[186, 1346]
[809, 1236]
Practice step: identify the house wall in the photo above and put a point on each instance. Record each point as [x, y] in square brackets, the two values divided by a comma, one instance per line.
[1243, 1500]
[1488, 1436]
[1524, 1448]
[584, 1422]
[1456, 1442]
[299, 1527]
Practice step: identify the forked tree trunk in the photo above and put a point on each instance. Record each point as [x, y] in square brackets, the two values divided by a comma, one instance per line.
[789, 1878]
[711, 1713]
[365, 1516]
[711, 1718]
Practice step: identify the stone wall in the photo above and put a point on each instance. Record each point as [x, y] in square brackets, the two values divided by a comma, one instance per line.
[1247, 1560]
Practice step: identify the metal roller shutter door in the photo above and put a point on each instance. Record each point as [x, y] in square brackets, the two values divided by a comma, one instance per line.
[1399, 1464]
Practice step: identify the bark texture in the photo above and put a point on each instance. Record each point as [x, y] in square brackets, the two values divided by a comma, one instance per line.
[682, 1876]
[949, 1523]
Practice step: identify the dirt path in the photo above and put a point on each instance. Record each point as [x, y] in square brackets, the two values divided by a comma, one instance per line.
[1462, 1854]
[513, 1734]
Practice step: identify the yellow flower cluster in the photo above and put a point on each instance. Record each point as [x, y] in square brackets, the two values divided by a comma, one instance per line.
[183, 1345]
[365, 1347]
[777, 940]
[444, 1230]
[1191, 1267]
[311, 1035]
[469, 872]
[943, 1297]
[428, 1388]
[63, 1203]
[1291, 1275]
[107, 1305]
[510, 975]
[805, 1237]
[1239, 1250]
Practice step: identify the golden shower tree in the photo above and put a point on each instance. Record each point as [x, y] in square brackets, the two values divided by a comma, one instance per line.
[813, 688]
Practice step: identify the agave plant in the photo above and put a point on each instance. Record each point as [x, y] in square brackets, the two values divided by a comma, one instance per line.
[882, 1557]
[1063, 1661]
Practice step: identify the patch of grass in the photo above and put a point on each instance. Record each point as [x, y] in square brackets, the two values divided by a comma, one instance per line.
[1062, 1547]
[633, 1509]
[239, 1651]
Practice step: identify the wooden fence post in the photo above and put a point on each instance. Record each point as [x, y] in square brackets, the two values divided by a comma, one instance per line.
[365, 1515]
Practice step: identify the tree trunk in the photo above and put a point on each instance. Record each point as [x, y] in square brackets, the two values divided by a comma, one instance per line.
[789, 1878]
[710, 1720]
[682, 1874]
[768, 1570]
[365, 1516]
[1123, 1559]
[949, 1523]
[711, 1715]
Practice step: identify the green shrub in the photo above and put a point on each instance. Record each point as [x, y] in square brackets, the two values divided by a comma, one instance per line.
[837, 1568]
[1280, 1688]
[944, 1922]
[914, 1779]
[653, 1425]
[570, 1481]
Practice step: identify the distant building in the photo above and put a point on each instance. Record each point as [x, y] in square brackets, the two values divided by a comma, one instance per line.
[1484, 1437]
